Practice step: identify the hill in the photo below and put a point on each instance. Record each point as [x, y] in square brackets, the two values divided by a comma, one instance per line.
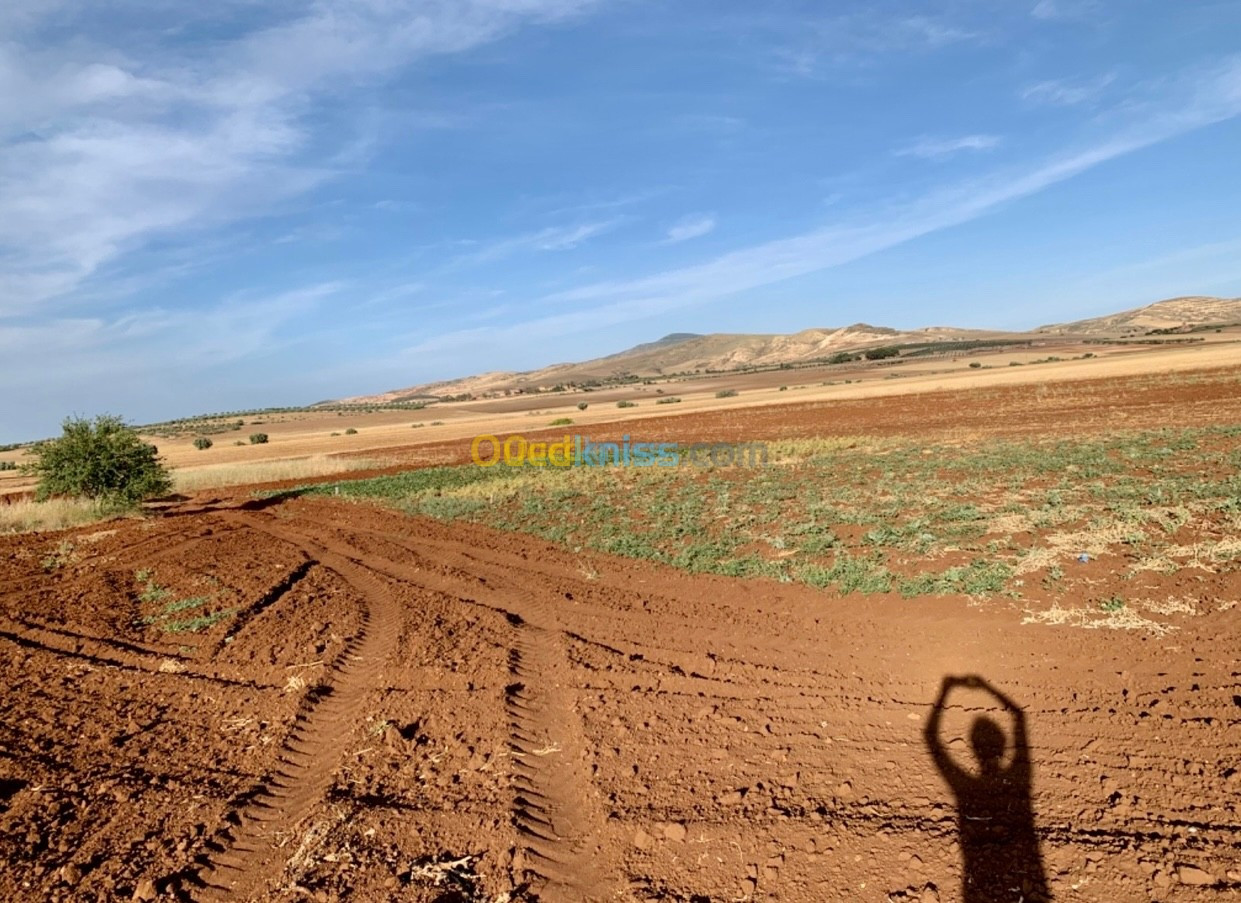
[685, 352]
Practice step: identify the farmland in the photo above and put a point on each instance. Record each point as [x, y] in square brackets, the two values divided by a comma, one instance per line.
[446, 682]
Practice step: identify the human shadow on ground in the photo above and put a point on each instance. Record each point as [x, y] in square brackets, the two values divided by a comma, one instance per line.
[995, 815]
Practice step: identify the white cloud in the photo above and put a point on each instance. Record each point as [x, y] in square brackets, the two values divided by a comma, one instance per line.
[934, 148]
[101, 152]
[156, 340]
[690, 227]
[553, 238]
[1065, 92]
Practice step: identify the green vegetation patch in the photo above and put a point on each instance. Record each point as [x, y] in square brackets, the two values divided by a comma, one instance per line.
[867, 515]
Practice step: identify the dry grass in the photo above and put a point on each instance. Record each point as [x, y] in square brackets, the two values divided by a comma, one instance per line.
[214, 476]
[1093, 619]
[54, 514]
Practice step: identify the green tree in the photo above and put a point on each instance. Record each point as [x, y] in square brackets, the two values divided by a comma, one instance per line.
[102, 460]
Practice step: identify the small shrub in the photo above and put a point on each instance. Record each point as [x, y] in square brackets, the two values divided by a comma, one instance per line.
[974, 365]
[626, 404]
[238, 442]
[726, 393]
[784, 388]
[258, 438]
[8, 465]
[1115, 603]
[671, 399]
[416, 426]
[433, 423]
[351, 432]
[337, 434]
[561, 421]
[581, 405]
[202, 443]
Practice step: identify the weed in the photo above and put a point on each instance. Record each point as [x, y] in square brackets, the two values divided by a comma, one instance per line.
[55, 560]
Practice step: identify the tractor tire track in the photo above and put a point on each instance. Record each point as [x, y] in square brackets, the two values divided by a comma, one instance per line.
[245, 855]
[564, 855]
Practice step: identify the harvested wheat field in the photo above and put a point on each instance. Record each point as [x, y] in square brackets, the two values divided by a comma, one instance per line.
[971, 646]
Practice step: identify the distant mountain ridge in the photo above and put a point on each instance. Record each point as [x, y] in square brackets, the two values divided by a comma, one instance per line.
[681, 352]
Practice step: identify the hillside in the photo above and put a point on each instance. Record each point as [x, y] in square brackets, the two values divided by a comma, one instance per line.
[1173, 314]
[689, 352]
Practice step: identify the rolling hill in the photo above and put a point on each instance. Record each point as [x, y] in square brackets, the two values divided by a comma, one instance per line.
[688, 352]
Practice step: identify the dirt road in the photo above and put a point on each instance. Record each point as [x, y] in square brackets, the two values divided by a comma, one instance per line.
[401, 709]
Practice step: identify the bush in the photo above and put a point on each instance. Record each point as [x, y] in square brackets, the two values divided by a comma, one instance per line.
[258, 438]
[581, 405]
[202, 443]
[842, 357]
[974, 365]
[726, 393]
[351, 432]
[8, 465]
[102, 460]
[878, 354]
[784, 388]
[561, 421]
[671, 399]
[626, 404]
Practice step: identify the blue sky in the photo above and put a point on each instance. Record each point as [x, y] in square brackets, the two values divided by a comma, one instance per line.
[241, 203]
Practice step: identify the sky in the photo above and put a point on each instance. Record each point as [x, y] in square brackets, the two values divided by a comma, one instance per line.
[236, 204]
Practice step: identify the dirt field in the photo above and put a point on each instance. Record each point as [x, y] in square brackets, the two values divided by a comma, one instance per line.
[307, 698]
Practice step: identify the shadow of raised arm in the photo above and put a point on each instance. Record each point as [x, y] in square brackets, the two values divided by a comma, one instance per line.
[952, 772]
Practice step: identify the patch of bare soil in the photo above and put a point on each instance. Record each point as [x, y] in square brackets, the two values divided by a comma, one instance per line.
[400, 709]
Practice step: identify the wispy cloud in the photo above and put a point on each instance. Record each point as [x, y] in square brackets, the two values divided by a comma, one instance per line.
[690, 227]
[553, 238]
[101, 152]
[1050, 10]
[1198, 99]
[140, 341]
[873, 31]
[934, 148]
[1067, 92]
